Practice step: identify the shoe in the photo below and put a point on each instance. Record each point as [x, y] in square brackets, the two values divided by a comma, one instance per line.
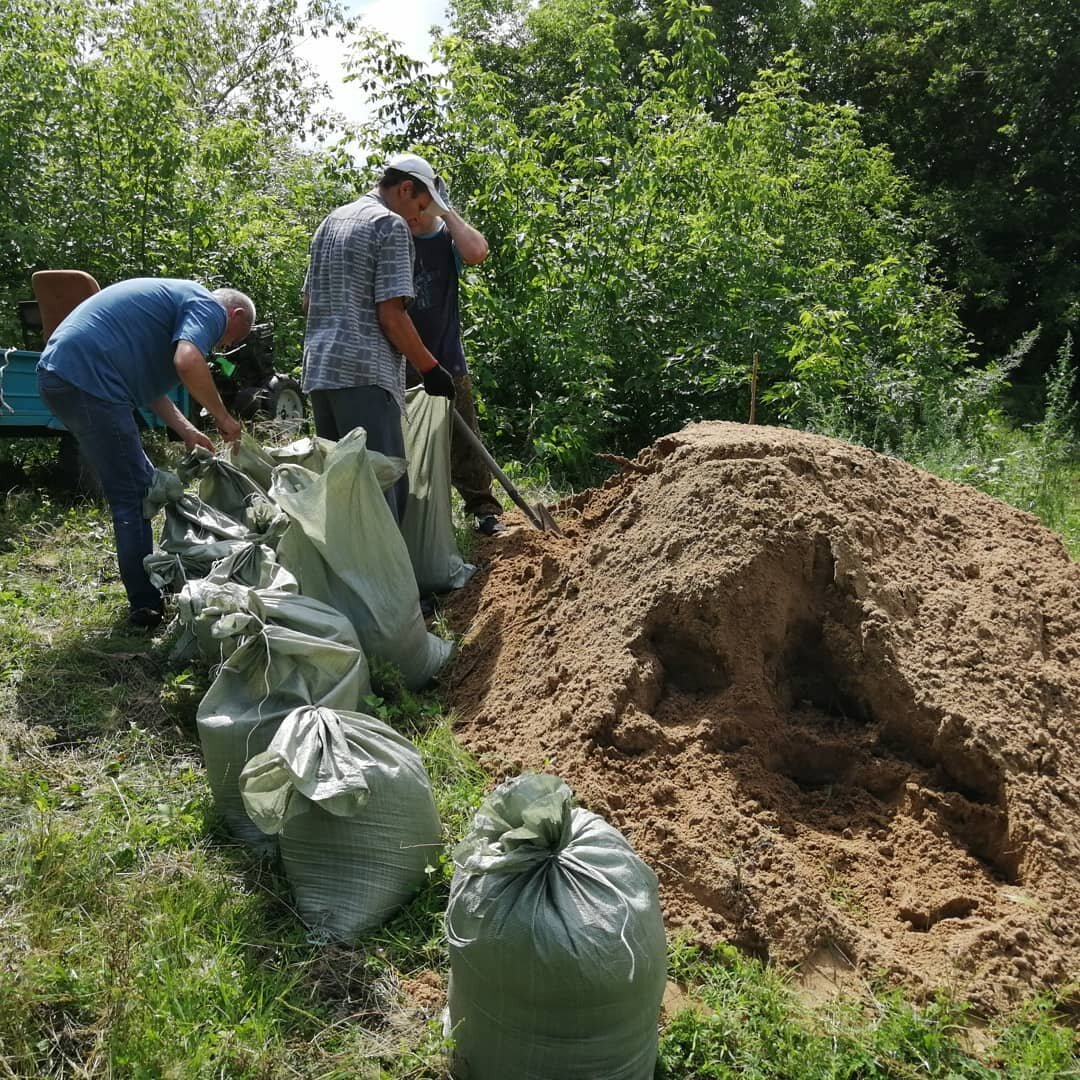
[427, 606]
[145, 617]
[489, 525]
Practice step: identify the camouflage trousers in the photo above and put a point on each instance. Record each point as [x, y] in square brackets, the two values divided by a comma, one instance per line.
[468, 473]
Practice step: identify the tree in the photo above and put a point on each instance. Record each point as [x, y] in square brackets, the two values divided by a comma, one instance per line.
[980, 102]
[644, 250]
[130, 148]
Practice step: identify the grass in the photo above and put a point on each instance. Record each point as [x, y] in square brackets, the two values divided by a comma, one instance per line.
[755, 1025]
[137, 941]
[1013, 465]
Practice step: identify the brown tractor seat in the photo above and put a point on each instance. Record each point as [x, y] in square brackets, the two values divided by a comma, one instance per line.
[58, 294]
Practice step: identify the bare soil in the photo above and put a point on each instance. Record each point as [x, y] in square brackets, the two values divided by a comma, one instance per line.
[831, 699]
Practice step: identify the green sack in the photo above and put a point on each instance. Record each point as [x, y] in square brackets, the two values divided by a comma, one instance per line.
[557, 952]
[252, 460]
[165, 487]
[428, 524]
[221, 484]
[249, 564]
[351, 805]
[221, 615]
[345, 549]
[193, 538]
[273, 671]
[253, 564]
[310, 453]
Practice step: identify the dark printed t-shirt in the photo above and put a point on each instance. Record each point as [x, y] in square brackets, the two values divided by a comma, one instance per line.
[435, 309]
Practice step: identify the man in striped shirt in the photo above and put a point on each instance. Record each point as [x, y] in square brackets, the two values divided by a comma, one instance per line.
[358, 287]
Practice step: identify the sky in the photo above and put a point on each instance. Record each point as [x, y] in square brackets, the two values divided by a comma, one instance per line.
[407, 21]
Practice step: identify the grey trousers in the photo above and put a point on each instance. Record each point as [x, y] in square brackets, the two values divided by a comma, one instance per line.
[337, 412]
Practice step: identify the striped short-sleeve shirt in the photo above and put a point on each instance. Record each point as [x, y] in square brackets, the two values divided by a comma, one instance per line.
[361, 254]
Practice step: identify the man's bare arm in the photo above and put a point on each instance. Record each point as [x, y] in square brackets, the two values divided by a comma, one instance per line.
[470, 242]
[195, 374]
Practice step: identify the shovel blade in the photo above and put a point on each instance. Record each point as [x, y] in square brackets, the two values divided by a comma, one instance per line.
[543, 520]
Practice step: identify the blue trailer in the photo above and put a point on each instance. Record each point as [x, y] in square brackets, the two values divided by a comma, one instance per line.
[24, 414]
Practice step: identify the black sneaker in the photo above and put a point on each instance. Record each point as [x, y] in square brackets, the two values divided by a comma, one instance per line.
[145, 617]
[489, 525]
[428, 606]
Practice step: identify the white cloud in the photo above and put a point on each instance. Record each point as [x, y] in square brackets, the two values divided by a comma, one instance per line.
[405, 21]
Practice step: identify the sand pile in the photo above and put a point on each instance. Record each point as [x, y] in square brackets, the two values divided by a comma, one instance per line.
[832, 700]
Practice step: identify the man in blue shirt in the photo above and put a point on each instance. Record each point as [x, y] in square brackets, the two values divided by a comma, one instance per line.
[124, 348]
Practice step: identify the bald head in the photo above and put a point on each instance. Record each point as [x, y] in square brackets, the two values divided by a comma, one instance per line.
[240, 312]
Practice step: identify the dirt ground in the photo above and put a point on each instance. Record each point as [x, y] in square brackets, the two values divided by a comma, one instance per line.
[832, 700]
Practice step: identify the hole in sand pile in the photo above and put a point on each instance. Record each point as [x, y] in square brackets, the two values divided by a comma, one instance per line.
[843, 726]
[812, 764]
[687, 663]
[809, 675]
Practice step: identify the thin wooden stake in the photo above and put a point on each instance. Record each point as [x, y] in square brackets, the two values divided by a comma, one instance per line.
[753, 390]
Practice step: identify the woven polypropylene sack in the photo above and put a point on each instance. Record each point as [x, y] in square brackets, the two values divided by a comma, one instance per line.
[274, 671]
[253, 564]
[252, 460]
[309, 453]
[222, 615]
[346, 549]
[557, 950]
[249, 564]
[428, 524]
[193, 537]
[351, 805]
[221, 484]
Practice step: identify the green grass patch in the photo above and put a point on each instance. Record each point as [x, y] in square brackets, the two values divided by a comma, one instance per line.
[745, 1020]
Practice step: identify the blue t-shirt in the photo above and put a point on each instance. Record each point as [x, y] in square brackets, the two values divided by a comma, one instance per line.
[119, 343]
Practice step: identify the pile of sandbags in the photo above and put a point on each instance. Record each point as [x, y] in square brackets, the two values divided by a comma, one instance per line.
[557, 950]
[339, 795]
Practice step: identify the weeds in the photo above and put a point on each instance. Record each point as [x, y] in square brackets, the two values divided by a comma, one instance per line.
[966, 436]
[754, 1024]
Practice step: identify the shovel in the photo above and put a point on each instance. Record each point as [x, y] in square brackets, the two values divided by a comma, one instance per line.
[538, 514]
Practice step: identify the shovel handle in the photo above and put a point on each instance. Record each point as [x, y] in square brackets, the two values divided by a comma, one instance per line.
[473, 440]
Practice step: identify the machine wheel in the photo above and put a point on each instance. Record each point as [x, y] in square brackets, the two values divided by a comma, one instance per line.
[285, 401]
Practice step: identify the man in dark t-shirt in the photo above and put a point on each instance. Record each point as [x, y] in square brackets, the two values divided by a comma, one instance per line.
[443, 245]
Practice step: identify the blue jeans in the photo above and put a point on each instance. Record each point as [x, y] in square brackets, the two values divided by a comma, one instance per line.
[108, 438]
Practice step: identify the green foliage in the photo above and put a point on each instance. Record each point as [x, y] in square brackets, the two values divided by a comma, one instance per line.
[967, 437]
[158, 137]
[643, 252]
[976, 99]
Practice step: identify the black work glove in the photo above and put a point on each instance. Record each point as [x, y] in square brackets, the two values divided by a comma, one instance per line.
[438, 382]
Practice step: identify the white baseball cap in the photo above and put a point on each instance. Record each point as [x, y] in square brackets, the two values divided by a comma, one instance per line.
[417, 167]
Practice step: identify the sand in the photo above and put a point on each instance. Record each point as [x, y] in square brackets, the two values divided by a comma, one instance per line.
[831, 699]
